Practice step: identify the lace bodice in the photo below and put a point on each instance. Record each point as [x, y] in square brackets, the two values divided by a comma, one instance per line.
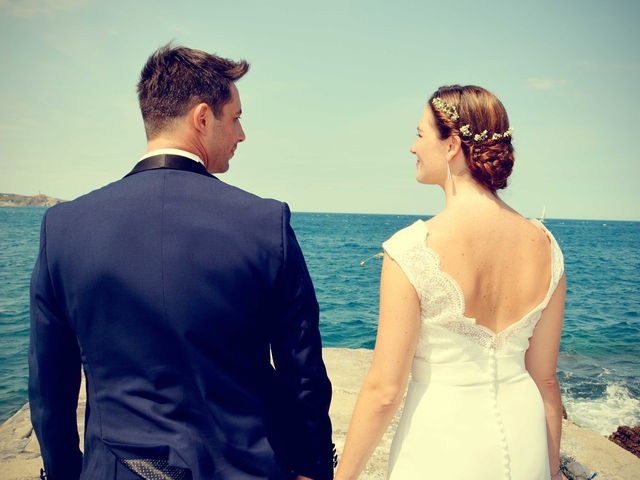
[447, 335]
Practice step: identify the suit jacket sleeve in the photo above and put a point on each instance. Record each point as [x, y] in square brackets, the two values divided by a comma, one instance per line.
[54, 375]
[297, 355]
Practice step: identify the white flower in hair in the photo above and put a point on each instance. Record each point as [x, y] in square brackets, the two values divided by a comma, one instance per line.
[446, 108]
[478, 137]
[465, 130]
[507, 133]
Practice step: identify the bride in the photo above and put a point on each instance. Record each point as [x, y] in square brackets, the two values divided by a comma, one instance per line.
[471, 304]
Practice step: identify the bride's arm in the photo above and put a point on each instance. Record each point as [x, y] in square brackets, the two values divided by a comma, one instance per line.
[542, 361]
[385, 383]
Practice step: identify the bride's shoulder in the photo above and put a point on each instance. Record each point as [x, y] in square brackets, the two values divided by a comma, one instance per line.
[416, 229]
[443, 228]
[556, 251]
[405, 238]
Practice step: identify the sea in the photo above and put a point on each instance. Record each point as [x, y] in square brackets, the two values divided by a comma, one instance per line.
[599, 364]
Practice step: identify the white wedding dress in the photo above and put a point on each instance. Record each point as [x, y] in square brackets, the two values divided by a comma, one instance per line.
[472, 410]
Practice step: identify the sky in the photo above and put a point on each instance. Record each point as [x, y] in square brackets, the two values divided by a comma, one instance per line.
[334, 95]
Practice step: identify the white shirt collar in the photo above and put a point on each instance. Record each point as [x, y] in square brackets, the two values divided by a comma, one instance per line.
[173, 151]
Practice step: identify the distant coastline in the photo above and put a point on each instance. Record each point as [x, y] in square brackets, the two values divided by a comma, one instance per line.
[13, 200]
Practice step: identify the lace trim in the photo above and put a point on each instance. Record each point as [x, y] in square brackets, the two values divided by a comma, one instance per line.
[440, 295]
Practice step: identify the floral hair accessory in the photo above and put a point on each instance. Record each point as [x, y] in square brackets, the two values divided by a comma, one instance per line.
[478, 137]
[465, 130]
[446, 108]
[498, 136]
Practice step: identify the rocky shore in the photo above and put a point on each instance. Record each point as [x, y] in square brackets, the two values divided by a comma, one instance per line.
[12, 200]
[20, 453]
[628, 438]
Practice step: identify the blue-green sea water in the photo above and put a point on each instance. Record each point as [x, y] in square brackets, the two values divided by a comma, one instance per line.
[599, 367]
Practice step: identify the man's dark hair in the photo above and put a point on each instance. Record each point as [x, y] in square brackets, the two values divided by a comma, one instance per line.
[176, 78]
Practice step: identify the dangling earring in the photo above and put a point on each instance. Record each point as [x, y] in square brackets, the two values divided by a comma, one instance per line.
[448, 171]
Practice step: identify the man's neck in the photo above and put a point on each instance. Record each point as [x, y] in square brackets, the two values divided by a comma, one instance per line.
[179, 142]
[172, 151]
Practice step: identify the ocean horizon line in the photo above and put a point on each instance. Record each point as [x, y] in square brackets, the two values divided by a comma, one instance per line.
[322, 212]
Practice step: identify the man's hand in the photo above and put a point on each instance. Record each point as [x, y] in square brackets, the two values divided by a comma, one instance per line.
[302, 477]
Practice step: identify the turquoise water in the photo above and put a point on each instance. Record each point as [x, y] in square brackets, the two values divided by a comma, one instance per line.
[19, 238]
[600, 351]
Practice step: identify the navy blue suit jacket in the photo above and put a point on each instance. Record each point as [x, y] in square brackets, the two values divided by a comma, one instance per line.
[170, 289]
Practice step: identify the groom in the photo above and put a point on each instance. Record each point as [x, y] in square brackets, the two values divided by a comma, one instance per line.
[171, 289]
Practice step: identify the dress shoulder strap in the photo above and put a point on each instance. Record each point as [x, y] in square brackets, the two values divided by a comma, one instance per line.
[557, 258]
[406, 247]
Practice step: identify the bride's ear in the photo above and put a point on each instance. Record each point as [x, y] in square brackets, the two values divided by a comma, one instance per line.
[454, 146]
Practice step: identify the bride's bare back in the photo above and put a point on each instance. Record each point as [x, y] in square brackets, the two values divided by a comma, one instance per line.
[500, 260]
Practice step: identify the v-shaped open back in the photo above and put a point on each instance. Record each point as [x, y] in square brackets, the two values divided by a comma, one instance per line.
[442, 300]
[462, 304]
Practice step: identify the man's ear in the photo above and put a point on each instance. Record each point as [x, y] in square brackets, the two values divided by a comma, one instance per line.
[199, 117]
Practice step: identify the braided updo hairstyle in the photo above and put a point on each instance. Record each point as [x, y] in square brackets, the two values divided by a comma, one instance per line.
[490, 160]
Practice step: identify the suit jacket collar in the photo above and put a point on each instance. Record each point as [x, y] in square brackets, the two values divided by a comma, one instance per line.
[173, 162]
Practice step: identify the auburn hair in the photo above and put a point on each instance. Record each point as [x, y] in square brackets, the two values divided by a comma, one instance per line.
[490, 161]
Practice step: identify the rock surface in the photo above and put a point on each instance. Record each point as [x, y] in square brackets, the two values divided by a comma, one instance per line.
[12, 200]
[20, 453]
[628, 438]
